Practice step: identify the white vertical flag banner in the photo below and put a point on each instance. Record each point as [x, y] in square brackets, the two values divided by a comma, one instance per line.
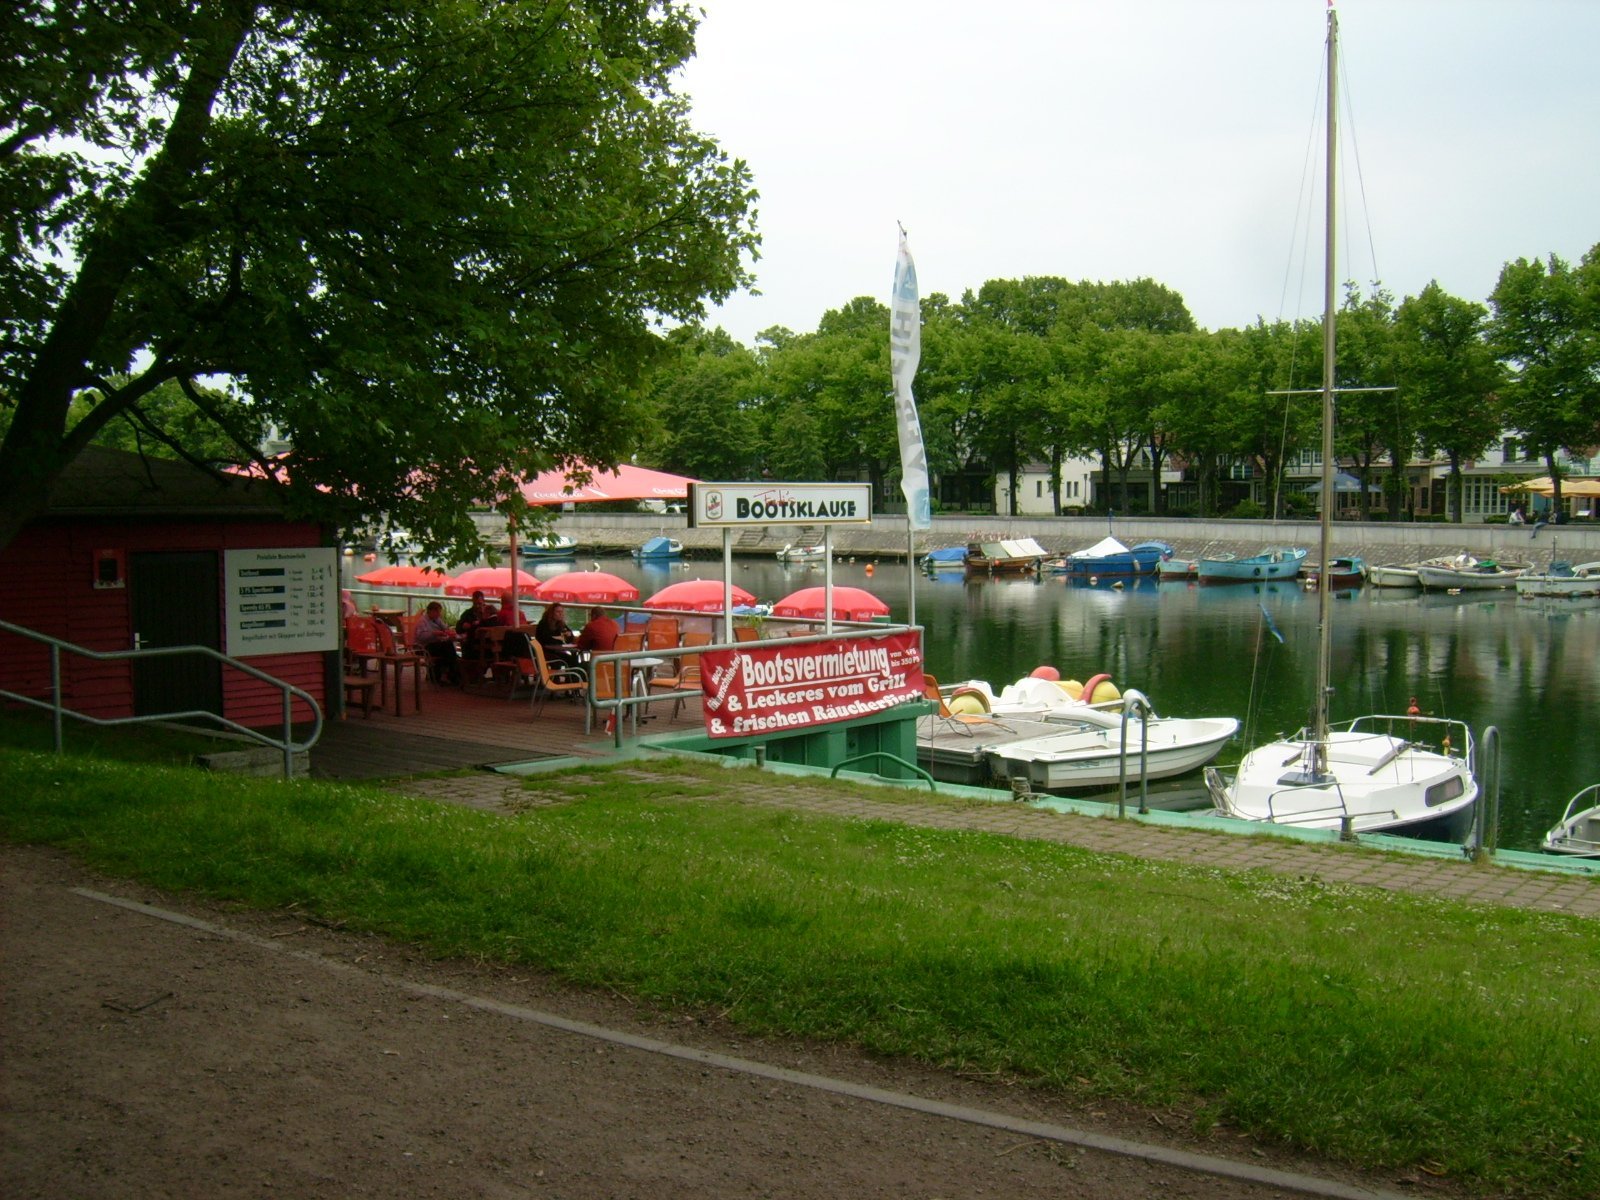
[905, 350]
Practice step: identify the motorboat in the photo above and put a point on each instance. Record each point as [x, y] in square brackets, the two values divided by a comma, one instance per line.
[798, 554]
[1413, 775]
[1176, 569]
[1342, 572]
[549, 547]
[1482, 575]
[659, 549]
[1109, 557]
[1561, 579]
[946, 558]
[1277, 562]
[1060, 735]
[1577, 834]
[1010, 556]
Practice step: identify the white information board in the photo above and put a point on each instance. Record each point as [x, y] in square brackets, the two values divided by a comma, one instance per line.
[281, 601]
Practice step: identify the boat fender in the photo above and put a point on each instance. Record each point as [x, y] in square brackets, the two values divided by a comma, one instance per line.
[1100, 690]
[1413, 709]
[967, 700]
[1045, 672]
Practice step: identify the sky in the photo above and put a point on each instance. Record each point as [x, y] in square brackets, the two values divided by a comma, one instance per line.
[1125, 139]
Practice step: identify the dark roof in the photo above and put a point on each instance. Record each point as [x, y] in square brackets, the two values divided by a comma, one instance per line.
[101, 480]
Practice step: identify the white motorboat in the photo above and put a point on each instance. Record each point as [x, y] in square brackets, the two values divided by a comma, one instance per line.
[1484, 575]
[794, 554]
[1561, 579]
[1577, 834]
[1413, 775]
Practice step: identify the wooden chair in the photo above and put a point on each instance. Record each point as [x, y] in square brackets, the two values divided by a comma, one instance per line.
[392, 655]
[359, 688]
[361, 651]
[561, 681]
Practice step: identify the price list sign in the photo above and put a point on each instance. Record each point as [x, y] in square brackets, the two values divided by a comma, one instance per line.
[281, 601]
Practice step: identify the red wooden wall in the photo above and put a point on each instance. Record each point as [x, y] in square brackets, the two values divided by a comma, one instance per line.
[47, 584]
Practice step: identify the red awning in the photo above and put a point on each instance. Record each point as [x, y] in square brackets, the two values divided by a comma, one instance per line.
[627, 482]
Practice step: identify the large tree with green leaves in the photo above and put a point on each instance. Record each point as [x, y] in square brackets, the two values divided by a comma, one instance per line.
[1546, 328]
[1449, 379]
[428, 240]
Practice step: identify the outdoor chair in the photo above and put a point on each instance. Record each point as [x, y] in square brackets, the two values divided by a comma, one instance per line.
[962, 723]
[361, 651]
[660, 633]
[392, 655]
[687, 677]
[559, 681]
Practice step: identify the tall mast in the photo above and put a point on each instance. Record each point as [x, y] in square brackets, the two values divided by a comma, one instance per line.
[1329, 375]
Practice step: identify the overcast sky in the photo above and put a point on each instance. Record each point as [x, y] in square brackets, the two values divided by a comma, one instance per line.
[1120, 139]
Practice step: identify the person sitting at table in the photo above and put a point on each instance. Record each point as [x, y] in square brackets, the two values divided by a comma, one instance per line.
[600, 634]
[555, 635]
[470, 625]
[438, 642]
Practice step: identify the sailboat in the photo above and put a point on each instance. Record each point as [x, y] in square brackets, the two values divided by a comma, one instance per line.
[1409, 773]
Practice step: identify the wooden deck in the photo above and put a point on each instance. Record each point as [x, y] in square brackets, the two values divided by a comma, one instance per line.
[458, 729]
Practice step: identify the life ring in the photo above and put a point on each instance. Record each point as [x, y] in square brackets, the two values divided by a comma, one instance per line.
[1094, 684]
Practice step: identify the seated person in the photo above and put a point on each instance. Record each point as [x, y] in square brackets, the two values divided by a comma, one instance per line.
[555, 635]
[600, 634]
[478, 617]
[439, 644]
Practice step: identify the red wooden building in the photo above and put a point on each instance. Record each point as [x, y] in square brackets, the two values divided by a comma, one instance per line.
[135, 552]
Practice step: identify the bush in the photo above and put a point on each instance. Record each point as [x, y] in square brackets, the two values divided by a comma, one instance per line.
[1248, 510]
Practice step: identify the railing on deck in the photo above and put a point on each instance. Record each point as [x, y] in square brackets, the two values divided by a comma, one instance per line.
[286, 744]
[625, 706]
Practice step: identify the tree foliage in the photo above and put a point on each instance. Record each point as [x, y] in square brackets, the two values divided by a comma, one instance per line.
[429, 241]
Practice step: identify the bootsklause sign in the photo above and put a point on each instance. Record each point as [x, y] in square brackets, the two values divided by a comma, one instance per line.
[773, 687]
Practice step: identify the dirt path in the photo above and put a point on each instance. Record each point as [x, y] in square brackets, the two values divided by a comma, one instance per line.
[149, 1058]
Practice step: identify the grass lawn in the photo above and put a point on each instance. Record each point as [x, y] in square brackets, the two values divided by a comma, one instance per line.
[1382, 1030]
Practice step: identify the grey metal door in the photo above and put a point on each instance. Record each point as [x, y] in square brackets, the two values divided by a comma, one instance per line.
[174, 601]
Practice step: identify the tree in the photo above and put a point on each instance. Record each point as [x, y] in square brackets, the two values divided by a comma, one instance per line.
[427, 240]
[1546, 327]
[703, 398]
[1449, 379]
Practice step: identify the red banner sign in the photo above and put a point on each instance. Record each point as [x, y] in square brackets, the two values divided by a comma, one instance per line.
[771, 687]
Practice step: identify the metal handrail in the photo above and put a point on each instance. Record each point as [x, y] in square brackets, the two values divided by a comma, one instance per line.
[1135, 699]
[286, 744]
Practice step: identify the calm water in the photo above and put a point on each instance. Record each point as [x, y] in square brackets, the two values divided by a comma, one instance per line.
[1531, 668]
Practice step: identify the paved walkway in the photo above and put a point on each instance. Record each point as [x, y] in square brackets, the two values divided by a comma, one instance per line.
[1328, 863]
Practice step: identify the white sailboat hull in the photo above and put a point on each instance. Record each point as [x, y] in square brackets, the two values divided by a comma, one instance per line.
[1375, 779]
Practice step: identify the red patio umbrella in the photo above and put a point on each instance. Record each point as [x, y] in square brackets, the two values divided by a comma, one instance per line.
[585, 587]
[696, 595]
[849, 604]
[404, 576]
[489, 580]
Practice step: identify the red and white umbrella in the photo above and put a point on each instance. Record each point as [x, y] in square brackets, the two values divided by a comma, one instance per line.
[585, 587]
[489, 580]
[849, 604]
[696, 595]
[404, 576]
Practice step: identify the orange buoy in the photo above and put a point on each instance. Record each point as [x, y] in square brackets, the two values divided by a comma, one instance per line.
[1045, 672]
[1413, 710]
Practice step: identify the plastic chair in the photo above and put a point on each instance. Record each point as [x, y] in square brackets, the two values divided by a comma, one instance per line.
[688, 672]
[661, 633]
[605, 688]
[560, 681]
[362, 650]
[629, 642]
